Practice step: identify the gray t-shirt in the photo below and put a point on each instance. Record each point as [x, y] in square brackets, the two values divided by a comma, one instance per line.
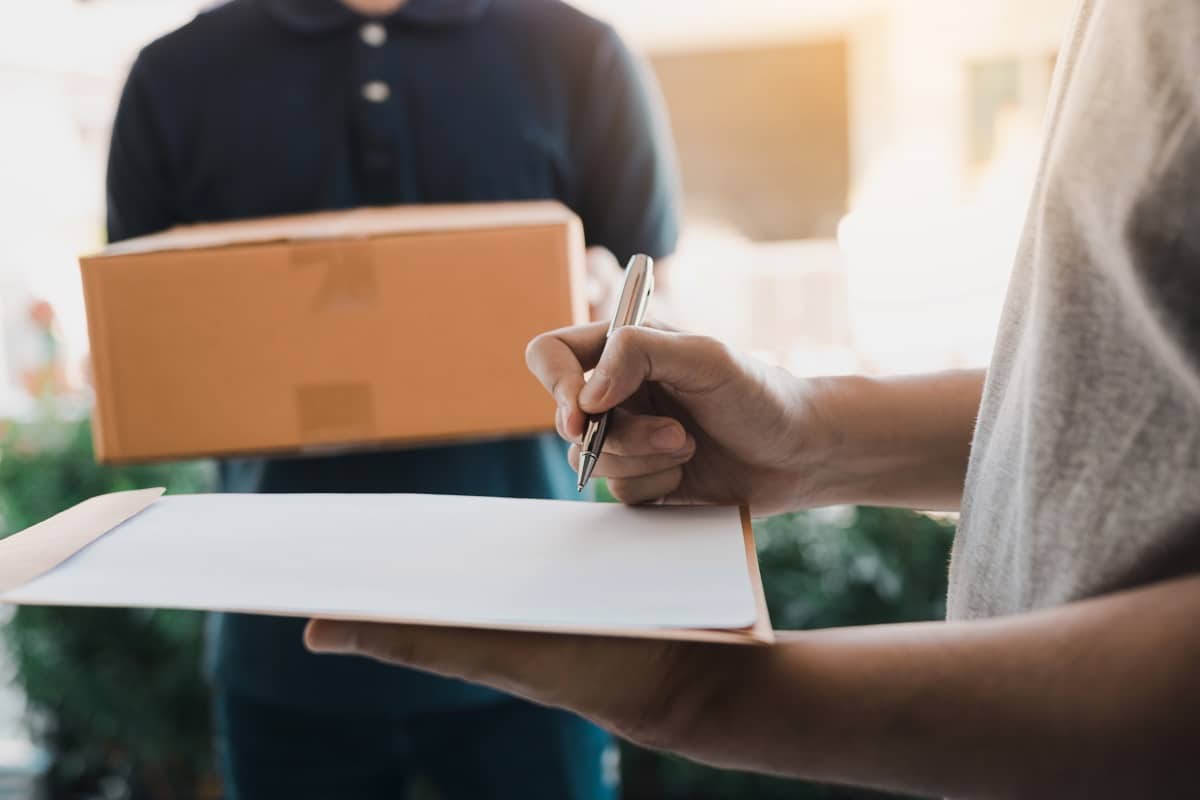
[1085, 471]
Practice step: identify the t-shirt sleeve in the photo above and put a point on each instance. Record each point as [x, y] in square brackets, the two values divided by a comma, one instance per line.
[138, 184]
[628, 186]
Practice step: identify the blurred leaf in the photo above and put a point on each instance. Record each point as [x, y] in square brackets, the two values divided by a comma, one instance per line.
[115, 693]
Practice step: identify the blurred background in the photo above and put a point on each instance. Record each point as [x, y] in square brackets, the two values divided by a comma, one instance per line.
[855, 176]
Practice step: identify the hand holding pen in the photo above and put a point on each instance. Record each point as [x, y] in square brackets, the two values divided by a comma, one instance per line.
[690, 420]
[630, 310]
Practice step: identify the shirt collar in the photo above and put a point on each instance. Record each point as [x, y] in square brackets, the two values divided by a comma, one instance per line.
[327, 16]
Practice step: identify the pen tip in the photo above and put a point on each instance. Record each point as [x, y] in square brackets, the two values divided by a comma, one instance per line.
[587, 462]
[579, 487]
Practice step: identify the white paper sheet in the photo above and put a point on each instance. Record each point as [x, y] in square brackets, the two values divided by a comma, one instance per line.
[458, 560]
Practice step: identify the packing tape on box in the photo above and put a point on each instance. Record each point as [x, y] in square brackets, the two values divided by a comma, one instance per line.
[342, 411]
[347, 280]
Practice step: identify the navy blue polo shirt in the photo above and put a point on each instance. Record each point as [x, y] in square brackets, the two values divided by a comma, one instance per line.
[262, 107]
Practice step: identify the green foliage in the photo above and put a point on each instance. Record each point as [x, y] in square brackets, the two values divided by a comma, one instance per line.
[119, 693]
[47, 465]
[116, 694]
[854, 566]
[826, 568]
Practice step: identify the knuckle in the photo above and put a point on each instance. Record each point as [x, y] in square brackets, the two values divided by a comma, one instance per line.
[674, 702]
[646, 487]
[619, 489]
[673, 482]
[401, 651]
[383, 644]
[717, 359]
[623, 341]
[626, 352]
[712, 350]
[630, 491]
[534, 349]
[558, 389]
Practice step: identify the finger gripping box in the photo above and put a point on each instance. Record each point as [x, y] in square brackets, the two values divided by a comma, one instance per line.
[363, 328]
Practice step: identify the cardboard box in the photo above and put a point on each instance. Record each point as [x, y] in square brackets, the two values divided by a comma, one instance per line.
[381, 326]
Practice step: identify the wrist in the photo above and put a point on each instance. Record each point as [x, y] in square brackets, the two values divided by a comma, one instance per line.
[826, 461]
[894, 442]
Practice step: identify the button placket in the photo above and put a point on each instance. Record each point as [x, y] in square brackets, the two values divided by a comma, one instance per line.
[378, 114]
[373, 34]
[376, 91]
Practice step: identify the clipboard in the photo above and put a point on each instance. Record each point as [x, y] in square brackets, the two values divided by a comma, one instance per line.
[678, 573]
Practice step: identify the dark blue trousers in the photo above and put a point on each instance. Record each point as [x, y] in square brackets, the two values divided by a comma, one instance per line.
[507, 750]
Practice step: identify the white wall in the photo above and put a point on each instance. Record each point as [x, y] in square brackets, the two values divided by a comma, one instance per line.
[661, 25]
[908, 90]
[62, 64]
[927, 249]
[929, 243]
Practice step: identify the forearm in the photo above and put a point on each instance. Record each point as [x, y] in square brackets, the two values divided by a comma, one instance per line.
[1099, 698]
[896, 442]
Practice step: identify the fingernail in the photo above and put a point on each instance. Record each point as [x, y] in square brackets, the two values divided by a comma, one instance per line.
[595, 390]
[668, 437]
[564, 421]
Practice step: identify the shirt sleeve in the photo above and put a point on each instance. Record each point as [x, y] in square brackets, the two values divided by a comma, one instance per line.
[628, 191]
[138, 184]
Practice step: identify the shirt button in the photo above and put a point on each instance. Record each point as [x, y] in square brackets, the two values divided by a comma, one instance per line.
[373, 34]
[376, 91]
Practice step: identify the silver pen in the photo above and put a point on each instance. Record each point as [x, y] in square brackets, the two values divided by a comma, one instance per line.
[631, 310]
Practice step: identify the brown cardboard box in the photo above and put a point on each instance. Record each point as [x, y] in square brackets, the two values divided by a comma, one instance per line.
[383, 326]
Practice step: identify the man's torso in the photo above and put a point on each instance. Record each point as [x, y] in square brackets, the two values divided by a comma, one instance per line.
[265, 108]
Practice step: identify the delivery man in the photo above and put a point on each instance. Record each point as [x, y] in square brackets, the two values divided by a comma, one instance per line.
[1070, 666]
[264, 107]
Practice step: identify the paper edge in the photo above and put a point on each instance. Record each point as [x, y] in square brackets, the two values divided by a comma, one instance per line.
[31, 553]
[761, 631]
[735, 636]
[37, 550]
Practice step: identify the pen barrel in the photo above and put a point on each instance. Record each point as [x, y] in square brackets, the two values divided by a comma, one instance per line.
[635, 293]
[631, 310]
